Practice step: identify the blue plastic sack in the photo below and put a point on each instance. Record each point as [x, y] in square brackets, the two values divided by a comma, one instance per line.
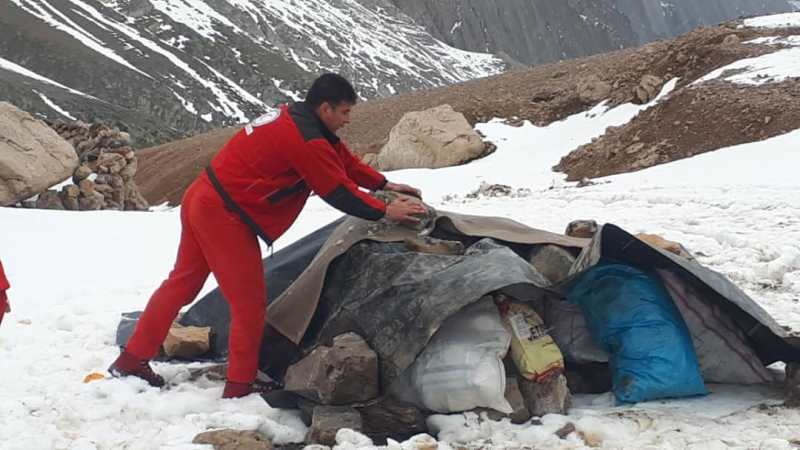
[631, 315]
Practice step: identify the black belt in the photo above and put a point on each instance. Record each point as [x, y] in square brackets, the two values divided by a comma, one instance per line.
[232, 206]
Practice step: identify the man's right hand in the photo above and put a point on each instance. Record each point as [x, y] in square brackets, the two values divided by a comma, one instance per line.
[404, 209]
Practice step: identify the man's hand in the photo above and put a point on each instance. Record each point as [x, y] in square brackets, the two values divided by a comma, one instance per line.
[403, 209]
[404, 189]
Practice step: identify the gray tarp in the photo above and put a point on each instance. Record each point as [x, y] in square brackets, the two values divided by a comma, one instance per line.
[399, 309]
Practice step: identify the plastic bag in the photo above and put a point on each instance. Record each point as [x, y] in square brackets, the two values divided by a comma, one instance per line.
[461, 368]
[533, 350]
[631, 316]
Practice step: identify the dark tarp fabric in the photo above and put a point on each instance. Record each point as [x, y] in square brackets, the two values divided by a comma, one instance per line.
[770, 341]
[298, 292]
[397, 298]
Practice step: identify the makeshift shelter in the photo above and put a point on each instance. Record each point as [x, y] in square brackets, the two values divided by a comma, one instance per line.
[370, 278]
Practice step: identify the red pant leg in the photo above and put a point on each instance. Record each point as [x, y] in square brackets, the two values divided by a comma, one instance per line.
[234, 256]
[179, 289]
[3, 304]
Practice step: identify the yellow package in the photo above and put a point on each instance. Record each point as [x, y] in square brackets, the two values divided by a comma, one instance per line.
[533, 351]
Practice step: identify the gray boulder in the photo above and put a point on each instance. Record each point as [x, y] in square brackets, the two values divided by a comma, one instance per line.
[33, 157]
[434, 138]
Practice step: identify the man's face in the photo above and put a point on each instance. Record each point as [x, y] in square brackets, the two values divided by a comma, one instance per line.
[334, 117]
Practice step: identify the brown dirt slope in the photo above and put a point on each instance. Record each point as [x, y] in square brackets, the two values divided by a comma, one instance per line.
[541, 94]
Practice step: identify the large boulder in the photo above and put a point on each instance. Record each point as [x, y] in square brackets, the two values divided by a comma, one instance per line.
[434, 138]
[33, 157]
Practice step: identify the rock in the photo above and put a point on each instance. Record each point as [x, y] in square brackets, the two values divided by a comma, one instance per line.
[187, 342]
[593, 90]
[49, 200]
[134, 200]
[86, 186]
[550, 397]
[648, 88]
[389, 417]
[111, 163]
[664, 244]
[582, 229]
[792, 385]
[371, 159]
[82, 172]
[69, 197]
[517, 402]
[552, 261]
[91, 201]
[426, 220]
[328, 420]
[731, 39]
[566, 430]
[234, 440]
[127, 173]
[344, 373]
[428, 244]
[33, 157]
[434, 138]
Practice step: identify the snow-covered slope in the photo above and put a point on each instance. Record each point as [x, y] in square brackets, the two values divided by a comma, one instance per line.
[193, 64]
[73, 273]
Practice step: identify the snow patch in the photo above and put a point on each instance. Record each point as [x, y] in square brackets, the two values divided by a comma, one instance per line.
[786, 20]
[55, 107]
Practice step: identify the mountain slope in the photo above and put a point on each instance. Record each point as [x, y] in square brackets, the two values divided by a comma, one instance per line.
[193, 64]
[534, 32]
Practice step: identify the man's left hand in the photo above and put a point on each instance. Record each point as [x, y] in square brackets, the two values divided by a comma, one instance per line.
[403, 189]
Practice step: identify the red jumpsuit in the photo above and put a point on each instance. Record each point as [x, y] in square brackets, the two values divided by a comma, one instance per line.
[256, 185]
[4, 308]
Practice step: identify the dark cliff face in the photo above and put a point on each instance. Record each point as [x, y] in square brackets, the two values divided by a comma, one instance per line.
[537, 31]
[658, 19]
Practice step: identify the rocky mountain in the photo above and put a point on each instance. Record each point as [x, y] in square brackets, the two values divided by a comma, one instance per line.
[533, 32]
[160, 69]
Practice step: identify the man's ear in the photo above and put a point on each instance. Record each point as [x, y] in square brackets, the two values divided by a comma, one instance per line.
[324, 108]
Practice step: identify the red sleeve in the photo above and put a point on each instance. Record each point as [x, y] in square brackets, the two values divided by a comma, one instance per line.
[3, 280]
[359, 172]
[323, 170]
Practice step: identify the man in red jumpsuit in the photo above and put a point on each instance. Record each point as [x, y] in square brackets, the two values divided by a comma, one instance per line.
[256, 186]
[4, 306]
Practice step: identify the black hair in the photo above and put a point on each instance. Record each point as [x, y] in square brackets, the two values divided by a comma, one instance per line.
[331, 88]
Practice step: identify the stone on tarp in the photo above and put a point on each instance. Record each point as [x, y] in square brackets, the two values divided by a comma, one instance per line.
[234, 440]
[582, 229]
[328, 420]
[187, 342]
[549, 397]
[343, 373]
[434, 138]
[552, 261]
[664, 244]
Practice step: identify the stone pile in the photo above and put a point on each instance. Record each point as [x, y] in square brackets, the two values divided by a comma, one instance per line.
[104, 178]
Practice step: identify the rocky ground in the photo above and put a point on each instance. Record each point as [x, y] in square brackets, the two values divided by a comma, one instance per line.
[709, 117]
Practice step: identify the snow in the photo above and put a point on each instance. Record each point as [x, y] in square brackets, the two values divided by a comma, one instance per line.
[787, 20]
[770, 68]
[56, 19]
[73, 273]
[55, 107]
[8, 65]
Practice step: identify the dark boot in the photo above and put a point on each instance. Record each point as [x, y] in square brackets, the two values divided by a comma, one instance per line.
[128, 365]
[238, 390]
